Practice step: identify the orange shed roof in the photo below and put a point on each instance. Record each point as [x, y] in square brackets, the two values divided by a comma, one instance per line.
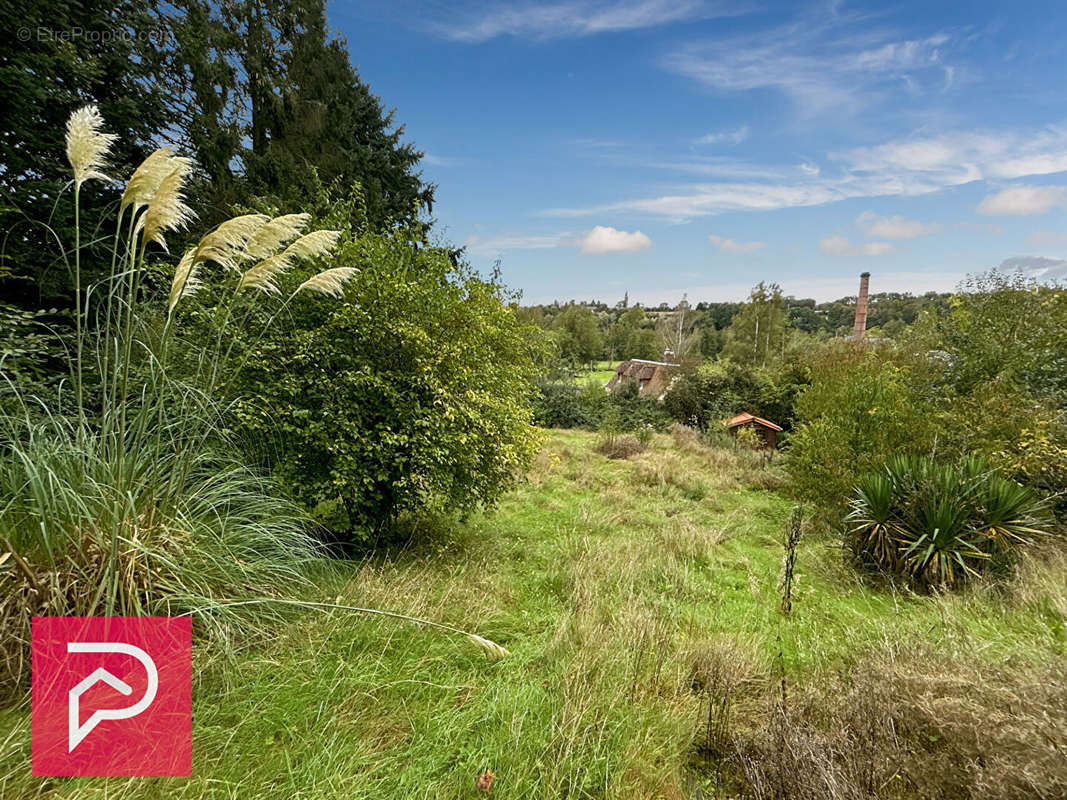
[742, 419]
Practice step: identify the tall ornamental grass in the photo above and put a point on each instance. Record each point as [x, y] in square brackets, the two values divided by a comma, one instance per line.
[125, 497]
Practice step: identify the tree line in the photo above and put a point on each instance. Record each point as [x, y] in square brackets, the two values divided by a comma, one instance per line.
[762, 329]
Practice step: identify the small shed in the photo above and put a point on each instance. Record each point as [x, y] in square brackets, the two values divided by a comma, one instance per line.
[764, 428]
[652, 377]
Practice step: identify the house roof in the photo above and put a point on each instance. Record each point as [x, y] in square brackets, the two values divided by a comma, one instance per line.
[744, 419]
[639, 368]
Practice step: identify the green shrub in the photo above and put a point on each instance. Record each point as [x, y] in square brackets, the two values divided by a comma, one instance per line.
[936, 524]
[560, 405]
[413, 394]
[719, 390]
[862, 407]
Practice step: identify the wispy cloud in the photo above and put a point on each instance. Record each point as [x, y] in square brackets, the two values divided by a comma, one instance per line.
[734, 247]
[819, 64]
[838, 245]
[894, 227]
[731, 137]
[909, 166]
[541, 21]
[1023, 201]
[443, 161]
[1040, 267]
[498, 244]
[603, 240]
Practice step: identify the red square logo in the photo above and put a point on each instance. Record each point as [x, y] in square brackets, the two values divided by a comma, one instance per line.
[112, 696]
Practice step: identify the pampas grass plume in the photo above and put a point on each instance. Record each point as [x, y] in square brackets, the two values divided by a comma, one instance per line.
[87, 144]
[268, 239]
[149, 175]
[186, 279]
[330, 281]
[167, 210]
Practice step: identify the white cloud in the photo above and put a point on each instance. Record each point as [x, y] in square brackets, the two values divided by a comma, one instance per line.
[735, 247]
[495, 245]
[603, 240]
[894, 227]
[1023, 201]
[733, 137]
[442, 161]
[838, 245]
[571, 19]
[1046, 269]
[904, 167]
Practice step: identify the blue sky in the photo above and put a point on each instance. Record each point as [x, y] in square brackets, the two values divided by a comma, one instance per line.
[661, 147]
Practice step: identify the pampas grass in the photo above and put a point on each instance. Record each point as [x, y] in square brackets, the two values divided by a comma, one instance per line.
[166, 210]
[313, 245]
[146, 179]
[87, 145]
[186, 280]
[227, 244]
[329, 282]
[270, 238]
[262, 275]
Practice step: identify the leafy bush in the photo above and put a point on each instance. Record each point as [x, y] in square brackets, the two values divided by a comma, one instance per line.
[561, 405]
[565, 405]
[863, 405]
[413, 394]
[937, 524]
[719, 390]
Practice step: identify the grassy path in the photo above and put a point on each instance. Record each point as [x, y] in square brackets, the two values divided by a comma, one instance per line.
[617, 586]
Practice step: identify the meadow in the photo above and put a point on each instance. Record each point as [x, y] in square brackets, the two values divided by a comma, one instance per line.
[640, 601]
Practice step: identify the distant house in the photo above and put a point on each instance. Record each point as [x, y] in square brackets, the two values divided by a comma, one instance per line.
[652, 377]
[764, 428]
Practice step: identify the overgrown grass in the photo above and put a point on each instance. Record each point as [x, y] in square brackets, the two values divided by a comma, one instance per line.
[628, 592]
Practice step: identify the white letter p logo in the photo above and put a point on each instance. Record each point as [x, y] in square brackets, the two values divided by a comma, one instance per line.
[76, 732]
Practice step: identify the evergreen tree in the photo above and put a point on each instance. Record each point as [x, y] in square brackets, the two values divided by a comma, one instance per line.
[67, 55]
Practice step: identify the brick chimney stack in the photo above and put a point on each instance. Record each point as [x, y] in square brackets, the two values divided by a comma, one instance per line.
[860, 328]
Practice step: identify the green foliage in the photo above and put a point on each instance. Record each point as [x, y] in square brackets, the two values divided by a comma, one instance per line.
[1003, 327]
[577, 336]
[861, 407]
[719, 390]
[32, 359]
[564, 405]
[275, 108]
[411, 395]
[756, 335]
[44, 76]
[938, 525]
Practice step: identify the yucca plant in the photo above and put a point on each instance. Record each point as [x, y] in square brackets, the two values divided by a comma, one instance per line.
[939, 524]
[938, 547]
[872, 533]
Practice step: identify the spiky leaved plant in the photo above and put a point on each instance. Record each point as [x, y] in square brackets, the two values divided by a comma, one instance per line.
[939, 524]
[872, 531]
